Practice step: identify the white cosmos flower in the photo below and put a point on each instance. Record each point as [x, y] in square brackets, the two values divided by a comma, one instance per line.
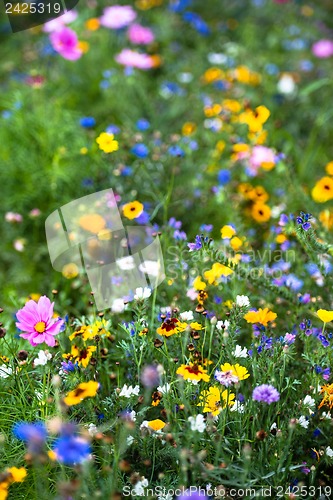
[5, 371]
[43, 358]
[197, 423]
[142, 293]
[242, 301]
[186, 316]
[126, 263]
[118, 306]
[240, 352]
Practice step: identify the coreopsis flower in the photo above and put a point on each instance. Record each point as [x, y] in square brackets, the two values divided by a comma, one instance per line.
[265, 393]
[133, 210]
[213, 400]
[81, 392]
[255, 119]
[325, 316]
[262, 316]
[38, 323]
[193, 373]
[107, 142]
[170, 327]
[323, 190]
[80, 356]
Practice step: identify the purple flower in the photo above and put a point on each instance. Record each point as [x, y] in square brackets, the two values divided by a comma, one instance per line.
[194, 492]
[196, 245]
[36, 320]
[323, 49]
[150, 376]
[265, 393]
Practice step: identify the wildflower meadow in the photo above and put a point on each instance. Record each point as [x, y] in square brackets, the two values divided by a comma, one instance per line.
[166, 304]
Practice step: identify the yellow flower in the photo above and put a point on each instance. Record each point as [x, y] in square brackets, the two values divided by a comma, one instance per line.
[82, 391]
[231, 105]
[17, 475]
[255, 119]
[258, 194]
[133, 210]
[213, 74]
[156, 425]
[198, 284]
[239, 371]
[70, 271]
[327, 390]
[170, 327]
[323, 190]
[260, 212]
[193, 372]
[329, 168]
[216, 272]
[83, 46]
[188, 128]
[227, 232]
[213, 401]
[80, 356]
[325, 316]
[107, 143]
[92, 24]
[262, 316]
[326, 218]
[195, 326]
[94, 223]
[236, 243]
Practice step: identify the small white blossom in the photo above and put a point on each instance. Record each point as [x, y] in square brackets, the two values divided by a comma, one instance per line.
[242, 301]
[118, 306]
[273, 426]
[309, 401]
[142, 293]
[139, 487]
[286, 84]
[128, 391]
[237, 407]
[164, 389]
[5, 371]
[92, 429]
[168, 496]
[220, 325]
[240, 352]
[186, 316]
[197, 423]
[132, 415]
[129, 440]
[303, 422]
[151, 267]
[126, 263]
[329, 452]
[43, 358]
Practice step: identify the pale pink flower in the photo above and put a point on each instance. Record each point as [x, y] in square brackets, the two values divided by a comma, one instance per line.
[140, 35]
[260, 156]
[130, 58]
[117, 16]
[13, 217]
[323, 49]
[59, 22]
[65, 42]
[37, 322]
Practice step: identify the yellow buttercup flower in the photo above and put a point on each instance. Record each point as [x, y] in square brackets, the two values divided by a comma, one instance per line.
[193, 372]
[156, 425]
[255, 119]
[323, 190]
[17, 475]
[325, 316]
[213, 400]
[107, 142]
[198, 284]
[216, 272]
[262, 316]
[133, 210]
[82, 391]
[227, 232]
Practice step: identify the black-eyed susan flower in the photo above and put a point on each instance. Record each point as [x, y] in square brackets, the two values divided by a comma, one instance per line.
[82, 391]
[107, 142]
[262, 316]
[214, 401]
[323, 190]
[193, 373]
[260, 212]
[133, 210]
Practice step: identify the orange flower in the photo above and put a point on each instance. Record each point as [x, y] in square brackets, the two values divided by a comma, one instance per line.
[262, 316]
[327, 391]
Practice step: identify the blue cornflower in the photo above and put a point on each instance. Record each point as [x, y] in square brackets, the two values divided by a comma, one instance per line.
[175, 150]
[113, 129]
[140, 150]
[72, 450]
[32, 434]
[142, 124]
[69, 366]
[224, 177]
[87, 122]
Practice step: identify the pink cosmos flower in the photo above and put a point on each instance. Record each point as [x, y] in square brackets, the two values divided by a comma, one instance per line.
[65, 42]
[117, 16]
[130, 58]
[13, 217]
[140, 35]
[36, 320]
[261, 156]
[323, 48]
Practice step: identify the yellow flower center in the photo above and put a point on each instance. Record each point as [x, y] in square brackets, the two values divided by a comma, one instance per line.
[40, 327]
